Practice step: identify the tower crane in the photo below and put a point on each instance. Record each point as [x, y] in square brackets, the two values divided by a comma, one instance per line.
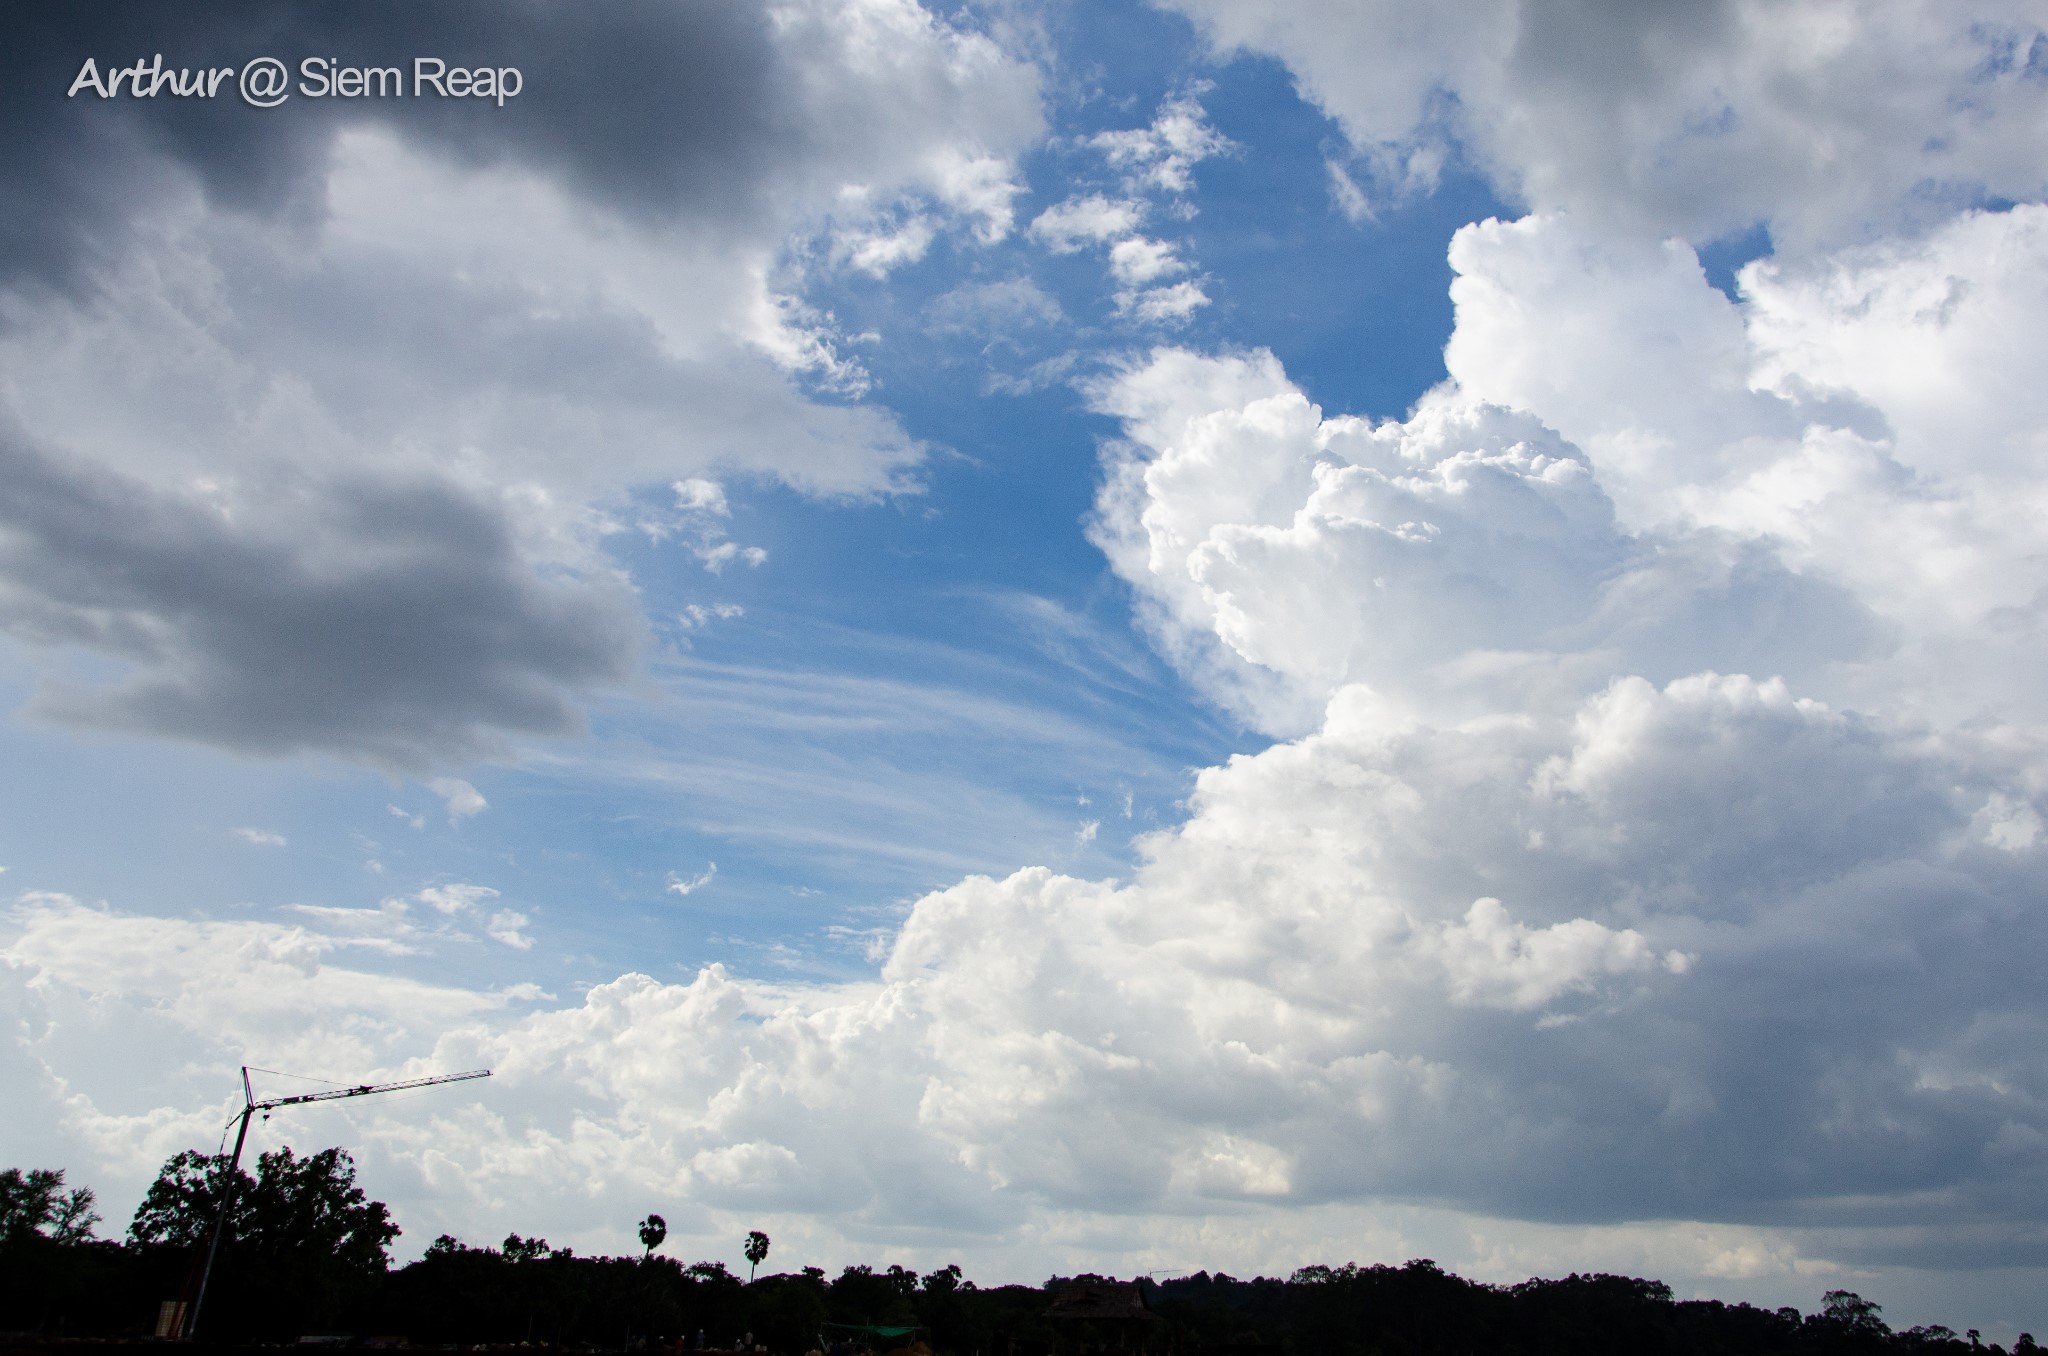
[250, 1106]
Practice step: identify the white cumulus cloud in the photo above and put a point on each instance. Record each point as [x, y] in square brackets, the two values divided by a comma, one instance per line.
[1822, 120]
[462, 799]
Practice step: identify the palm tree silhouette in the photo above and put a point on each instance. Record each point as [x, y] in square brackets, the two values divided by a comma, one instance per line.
[757, 1251]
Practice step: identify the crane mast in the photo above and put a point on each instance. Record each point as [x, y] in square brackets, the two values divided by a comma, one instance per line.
[250, 1106]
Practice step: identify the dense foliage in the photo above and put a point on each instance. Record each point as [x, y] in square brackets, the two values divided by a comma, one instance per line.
[309, 1209]
[35, 1203]
[306, 1252]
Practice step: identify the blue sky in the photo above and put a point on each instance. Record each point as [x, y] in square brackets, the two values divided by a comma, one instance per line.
[1055, 636]
[786, 746]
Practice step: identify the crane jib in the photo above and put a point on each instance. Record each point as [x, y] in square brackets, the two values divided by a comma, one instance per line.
[363, 1089]
[250, 1106]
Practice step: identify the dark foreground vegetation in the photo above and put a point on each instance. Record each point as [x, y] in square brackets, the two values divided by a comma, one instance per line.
[305, 1254]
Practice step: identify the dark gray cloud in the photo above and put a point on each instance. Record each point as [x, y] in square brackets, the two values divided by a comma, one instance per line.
[334, 311]
[677, 110]
[395, 621]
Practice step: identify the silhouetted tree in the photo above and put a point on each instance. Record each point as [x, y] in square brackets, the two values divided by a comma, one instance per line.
[305, 1207]
[653, 1229]
[302, 1240]
[181, 1203]
[53, 1274]
[757, 1251]
[1846, 1322]
[1853, 1313]
[862, 1296]
[35, 1202]
[311, 1207]
[786, 1312]
[519, 1249]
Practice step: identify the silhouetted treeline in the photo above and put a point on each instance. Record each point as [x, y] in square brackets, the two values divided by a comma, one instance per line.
[1419, 1308]
[306, 1255]
[526, 1292]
